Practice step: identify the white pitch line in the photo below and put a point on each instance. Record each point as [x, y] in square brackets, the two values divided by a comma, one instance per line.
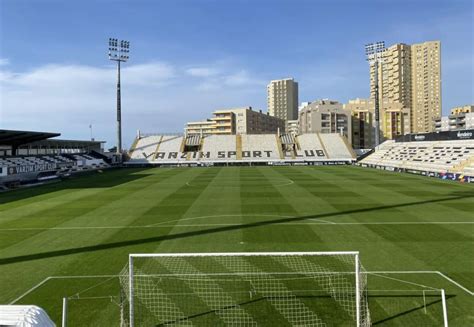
[57, 277]
[455, 283]
[83, 276]
[218, 216]
[30, 290]
[322, 222]
[391, 223]
[286, 183]
[425, 272]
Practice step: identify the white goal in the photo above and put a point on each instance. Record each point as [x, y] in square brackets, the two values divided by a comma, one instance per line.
[245, 289]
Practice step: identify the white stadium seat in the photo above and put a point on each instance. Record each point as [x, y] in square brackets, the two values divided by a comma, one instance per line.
[24, 316]
[145, 147]
[432, 156]
[260, 147]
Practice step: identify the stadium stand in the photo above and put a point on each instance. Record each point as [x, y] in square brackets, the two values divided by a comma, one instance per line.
[441, 156]
[260, 147]
[193, 140]
[338, 148]
[170, 149]
[309, 145]
[145, 147]
[436, 154]
[214, 145]
[469, 168]
[24, 316]
[235, 149]
[30, 157]
[87, 161]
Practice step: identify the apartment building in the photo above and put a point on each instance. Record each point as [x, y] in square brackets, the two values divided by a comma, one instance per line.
[462, 109]
[325, 116]
[243, 120]
[426, 85]
[205, 127]
[395, 80]
[411, 76]
[394, 121]
[292, 127]
[282, 99]
[460, 118]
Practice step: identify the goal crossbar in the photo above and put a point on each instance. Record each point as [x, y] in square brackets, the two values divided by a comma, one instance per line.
[240, 254]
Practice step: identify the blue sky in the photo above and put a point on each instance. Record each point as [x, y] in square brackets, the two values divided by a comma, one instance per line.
[191, 57]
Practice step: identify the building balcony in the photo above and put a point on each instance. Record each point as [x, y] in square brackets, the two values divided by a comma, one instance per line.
[222, 132]
[221, 118]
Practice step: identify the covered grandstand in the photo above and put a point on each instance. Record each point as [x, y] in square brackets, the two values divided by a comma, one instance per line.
[246, 149]
[27, 156]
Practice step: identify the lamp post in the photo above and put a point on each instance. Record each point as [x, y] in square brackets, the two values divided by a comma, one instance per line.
[374, 52]
[119, 51]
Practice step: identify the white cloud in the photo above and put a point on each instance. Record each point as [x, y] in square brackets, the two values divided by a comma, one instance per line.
[156, 97]
[202, 71]
[242, 78]
[152, 74]
[4, 61]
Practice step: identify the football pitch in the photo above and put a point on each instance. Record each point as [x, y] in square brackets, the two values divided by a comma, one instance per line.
[71, 239]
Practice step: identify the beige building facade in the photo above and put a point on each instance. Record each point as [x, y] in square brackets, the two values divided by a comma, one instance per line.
[292, 127]
[462, 109]
[325, 116]
[282, 99]
[395, 80]
[411, 76]
[243, 120]
[394, 121]
[460, 118]
[205, 127]
[426, 80]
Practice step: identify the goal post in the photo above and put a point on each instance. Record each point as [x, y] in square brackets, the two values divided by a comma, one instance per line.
[249, 288]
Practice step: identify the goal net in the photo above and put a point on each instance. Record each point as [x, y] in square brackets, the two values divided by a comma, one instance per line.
[245, 289]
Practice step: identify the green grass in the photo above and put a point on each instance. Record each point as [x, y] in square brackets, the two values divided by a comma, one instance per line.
[240, 209]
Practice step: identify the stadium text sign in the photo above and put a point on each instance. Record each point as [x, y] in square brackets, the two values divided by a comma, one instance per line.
[232, 154]
[30, 168]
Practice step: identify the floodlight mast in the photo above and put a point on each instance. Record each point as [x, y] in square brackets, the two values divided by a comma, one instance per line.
[119, 51]
[374, 53]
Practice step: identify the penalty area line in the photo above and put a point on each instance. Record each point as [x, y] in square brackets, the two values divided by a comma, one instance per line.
[455, 283]
[424, 272]
[439, 273]
[30, 290]
[57, 277]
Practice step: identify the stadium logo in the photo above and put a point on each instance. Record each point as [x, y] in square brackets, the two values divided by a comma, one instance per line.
[419, 137]
[464, 135]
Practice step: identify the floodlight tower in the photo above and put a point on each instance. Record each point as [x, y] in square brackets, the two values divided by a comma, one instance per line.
[374, 53]
[119, 51]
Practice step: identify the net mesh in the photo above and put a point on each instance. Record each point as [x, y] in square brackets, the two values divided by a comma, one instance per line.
[245, 290]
